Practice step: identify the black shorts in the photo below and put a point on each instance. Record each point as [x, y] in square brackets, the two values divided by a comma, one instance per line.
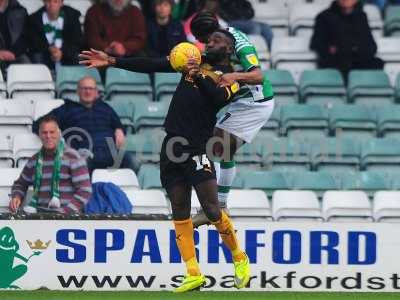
[192, 166]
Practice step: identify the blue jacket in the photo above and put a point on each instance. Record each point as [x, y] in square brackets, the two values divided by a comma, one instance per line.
[108, 198]
[93, 125]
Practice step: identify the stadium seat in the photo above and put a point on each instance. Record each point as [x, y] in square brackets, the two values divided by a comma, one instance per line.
[285, 89]
[380, 154]
[43, 107]
[282, 154]
[250, 154]
[367, 181]
[352, 121]
[30, 80]
[7, 178]
[296, 206]
[3, 87]
[25, 145]
[125, 110]
[388, 50]
[149, 177]
[31, 5]
[67, 78]
[388, 121]
[15, 117]
[346, 206]
[308, 120]
[262, 49]
[149, 115]
[276, 14]
[6, 152]
[302, 16]
[249, 205]
[165, 85]
[271, 128]
[292, 54]
[148, 202]
[374, 19]
[322, 86]
[386, 206]
[371, 87]
[268, 181]
[392, 20]
[144, 147]
[318, 182]
[336, 154]
[398, 88]
[126, 179]
[127, 83]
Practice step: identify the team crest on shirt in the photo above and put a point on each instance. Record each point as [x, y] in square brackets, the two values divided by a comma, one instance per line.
[252, 58]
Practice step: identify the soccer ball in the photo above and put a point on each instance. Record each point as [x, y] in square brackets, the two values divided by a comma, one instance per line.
[181, 53]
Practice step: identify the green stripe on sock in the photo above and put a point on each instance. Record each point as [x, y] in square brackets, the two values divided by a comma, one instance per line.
[223, 189]
[227, 164]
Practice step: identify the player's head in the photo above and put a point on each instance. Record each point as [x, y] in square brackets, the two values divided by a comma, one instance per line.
[219, 46]
[203, 24]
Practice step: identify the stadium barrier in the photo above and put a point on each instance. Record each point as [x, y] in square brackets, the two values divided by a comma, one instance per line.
[142, 255]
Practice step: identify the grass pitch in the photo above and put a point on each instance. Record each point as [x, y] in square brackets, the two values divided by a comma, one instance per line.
[80, 295]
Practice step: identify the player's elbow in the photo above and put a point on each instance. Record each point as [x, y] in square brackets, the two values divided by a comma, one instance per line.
[258, 76]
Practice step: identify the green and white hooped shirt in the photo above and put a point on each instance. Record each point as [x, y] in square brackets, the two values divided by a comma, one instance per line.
[245, 58]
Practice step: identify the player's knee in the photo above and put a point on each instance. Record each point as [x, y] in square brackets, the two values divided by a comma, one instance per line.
[212, 212]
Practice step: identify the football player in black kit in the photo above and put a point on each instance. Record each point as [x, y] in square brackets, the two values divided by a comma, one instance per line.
[183, 160]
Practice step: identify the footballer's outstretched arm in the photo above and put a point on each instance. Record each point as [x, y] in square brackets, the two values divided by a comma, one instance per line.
[97, 59]
[253, 77]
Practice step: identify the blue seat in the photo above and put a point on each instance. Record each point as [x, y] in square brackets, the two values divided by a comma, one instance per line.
[149, 177]
[268, 181]
[381, 154]
[388, 121]
[368, 181]
[285, 89]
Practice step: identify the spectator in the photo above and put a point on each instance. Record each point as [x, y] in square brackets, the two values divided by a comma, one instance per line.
[183, 9]
[163, 32]
[13, 45]
[92, 124]
[239, 14]
[115, 27]
[55, 35]
[59, 176]
[343, 40]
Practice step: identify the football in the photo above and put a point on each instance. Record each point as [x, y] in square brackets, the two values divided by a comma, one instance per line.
[181, 53]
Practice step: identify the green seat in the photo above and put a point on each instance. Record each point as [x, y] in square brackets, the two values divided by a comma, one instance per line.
[322, 86]
[124, 82]
[144, 147]
[335, 153]
[371, 87]
[67, 78]
[149, 177]
[250, 154]
[304, 120]
[398, 88]
[165, 84]
[392, 20]
[271, 128]
[388, 121]
[285, 88]
[124, 109]
[381, 154]
[319, 182]
[349, 120]
[149, 115]
[284, 154]
[367, 181]
[268, 181]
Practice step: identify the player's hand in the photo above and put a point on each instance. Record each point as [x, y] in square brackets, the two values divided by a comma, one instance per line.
[228, 79]
[94, 58]
[192, 67]
[15, 203]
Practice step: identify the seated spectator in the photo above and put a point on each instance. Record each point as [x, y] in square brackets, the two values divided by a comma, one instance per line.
[115, 27]
[58, 174]
[163, 32]
[92, 124]
[55, 35]
[183, 9]
[13, 42]
[239, 14]
[343, 39]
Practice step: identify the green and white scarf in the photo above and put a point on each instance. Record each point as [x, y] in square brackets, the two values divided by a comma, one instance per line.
[53, 29]
[55, 180]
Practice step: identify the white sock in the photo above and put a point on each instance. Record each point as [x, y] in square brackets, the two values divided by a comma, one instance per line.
[225, 180]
